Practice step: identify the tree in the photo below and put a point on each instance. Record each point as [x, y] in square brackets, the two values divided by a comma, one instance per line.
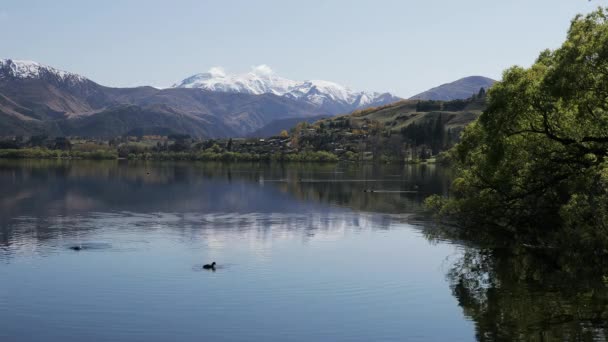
[297, 133]
[482, 93]
[284, 134]
[437, 135]
[38, 140]
[62, 143]
[229, 145]
[534, 164]
[428, 106]
[8, 144]
[182, 142]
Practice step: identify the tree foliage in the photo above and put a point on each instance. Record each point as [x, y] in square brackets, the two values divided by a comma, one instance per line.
[431, 133]
[534, 164]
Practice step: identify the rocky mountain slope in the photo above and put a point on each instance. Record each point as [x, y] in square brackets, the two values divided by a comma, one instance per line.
[459, 89]
[36, 98]
[39, 99]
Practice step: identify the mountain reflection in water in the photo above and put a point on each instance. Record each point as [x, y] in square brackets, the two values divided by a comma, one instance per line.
[302, 250]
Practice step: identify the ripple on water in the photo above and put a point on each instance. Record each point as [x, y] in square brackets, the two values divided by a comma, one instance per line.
[275, 271]
[89, 245]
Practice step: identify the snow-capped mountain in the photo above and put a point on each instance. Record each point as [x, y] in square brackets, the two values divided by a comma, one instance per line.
[21, 69]
[262, 80]
[36, 98]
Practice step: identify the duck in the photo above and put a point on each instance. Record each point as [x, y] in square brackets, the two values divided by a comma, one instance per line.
[209, 266]
[76, 248]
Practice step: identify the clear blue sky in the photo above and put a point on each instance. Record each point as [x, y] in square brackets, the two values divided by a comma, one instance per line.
[400, 46]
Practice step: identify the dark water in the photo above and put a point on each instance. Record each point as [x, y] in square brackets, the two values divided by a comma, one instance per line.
[304, 253]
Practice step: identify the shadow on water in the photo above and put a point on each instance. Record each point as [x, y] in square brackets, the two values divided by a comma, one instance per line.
[84, 246]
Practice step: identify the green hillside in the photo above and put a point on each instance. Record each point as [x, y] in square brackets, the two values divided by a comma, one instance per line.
[455, 114]
[408, 130]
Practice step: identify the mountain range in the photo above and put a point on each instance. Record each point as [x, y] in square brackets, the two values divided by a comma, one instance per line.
[327, 96]
[40, 99]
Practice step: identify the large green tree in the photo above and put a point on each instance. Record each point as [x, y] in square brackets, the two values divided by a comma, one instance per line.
[533, 166]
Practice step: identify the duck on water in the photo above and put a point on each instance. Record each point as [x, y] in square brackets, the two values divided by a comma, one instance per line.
[210, 266]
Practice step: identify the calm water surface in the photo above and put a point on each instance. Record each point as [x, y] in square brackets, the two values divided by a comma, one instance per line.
[303, 253]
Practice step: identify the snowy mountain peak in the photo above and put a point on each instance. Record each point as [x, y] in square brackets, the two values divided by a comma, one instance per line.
[263, 80]
[29, 69]
[260, 80]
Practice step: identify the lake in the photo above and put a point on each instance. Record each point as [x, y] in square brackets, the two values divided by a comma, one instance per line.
[304, 252]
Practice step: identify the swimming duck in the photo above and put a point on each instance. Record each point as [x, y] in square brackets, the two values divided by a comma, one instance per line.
[76, 248]
[209, 266]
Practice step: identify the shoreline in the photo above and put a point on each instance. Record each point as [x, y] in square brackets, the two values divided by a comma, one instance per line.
[307, 156]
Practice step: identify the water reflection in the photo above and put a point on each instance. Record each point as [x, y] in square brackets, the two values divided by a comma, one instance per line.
[36, 235]
[62, 189]
[523, 293]
[86, 185]
[303, 253]
[295, 243]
